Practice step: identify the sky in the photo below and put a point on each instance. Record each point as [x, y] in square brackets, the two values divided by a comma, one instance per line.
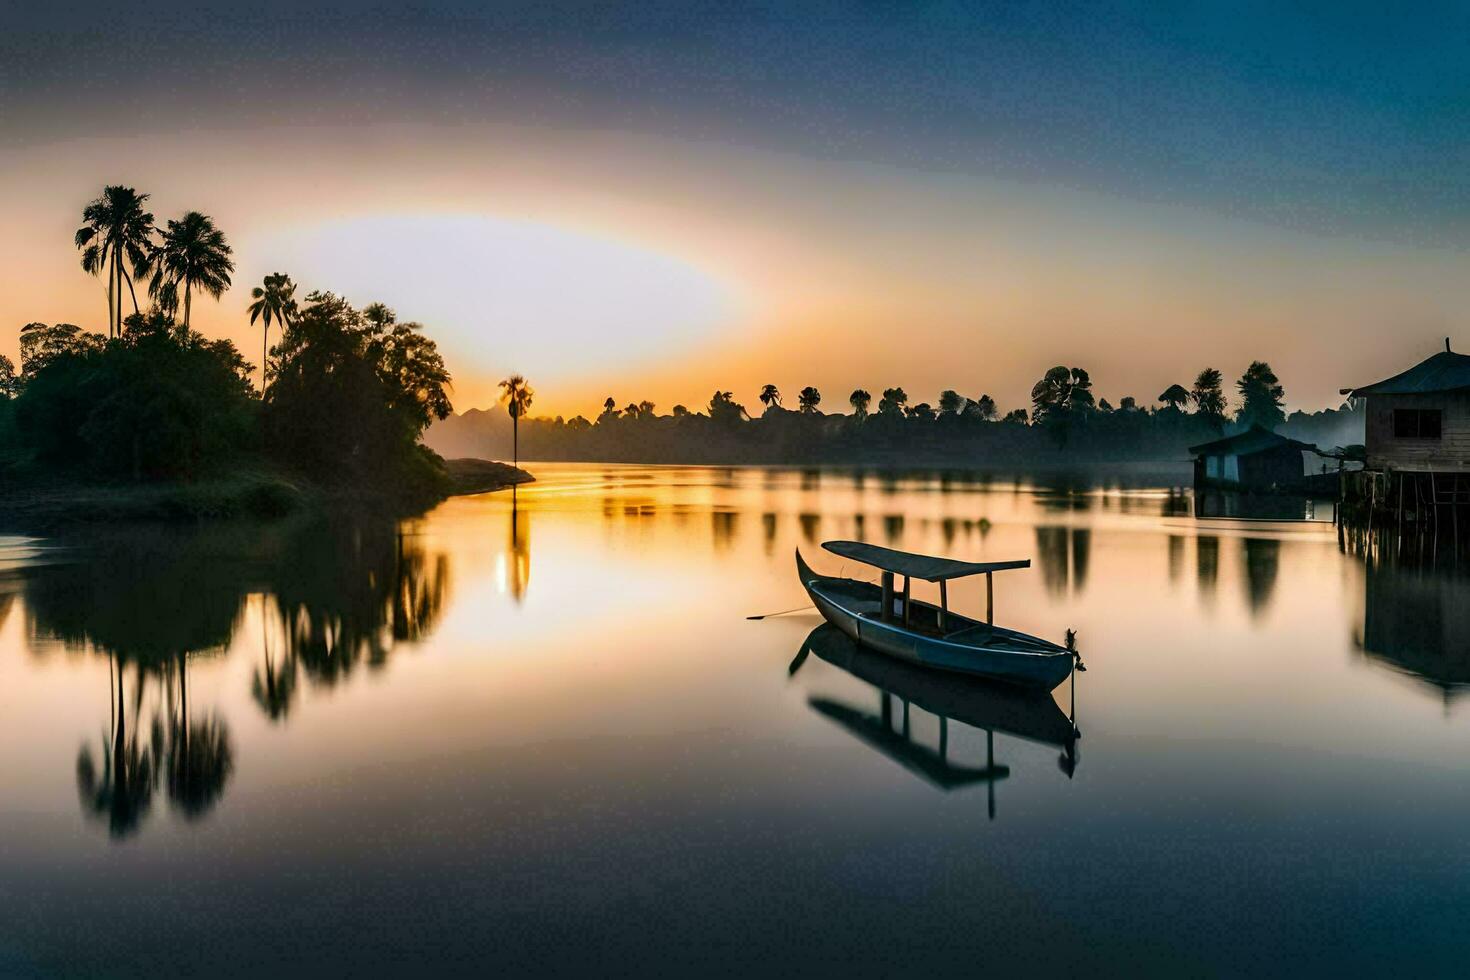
[658, 200]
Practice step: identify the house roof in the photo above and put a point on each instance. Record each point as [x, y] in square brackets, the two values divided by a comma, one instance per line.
[1445, 371]
[1256, 439]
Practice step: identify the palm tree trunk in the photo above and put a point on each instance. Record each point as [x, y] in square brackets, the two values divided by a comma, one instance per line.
[265, 346]
[186, 305]
[129, 280]
[111, 278]
[515, 439]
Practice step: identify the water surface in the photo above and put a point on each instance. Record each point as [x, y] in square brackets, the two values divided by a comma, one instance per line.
[540, 735]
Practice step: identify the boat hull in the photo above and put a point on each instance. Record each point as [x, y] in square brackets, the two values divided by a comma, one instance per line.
[968, 647]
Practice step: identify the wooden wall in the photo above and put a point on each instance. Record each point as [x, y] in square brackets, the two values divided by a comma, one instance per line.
[1450, 452]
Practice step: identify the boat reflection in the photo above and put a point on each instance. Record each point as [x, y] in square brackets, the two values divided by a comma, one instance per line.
[983, 705]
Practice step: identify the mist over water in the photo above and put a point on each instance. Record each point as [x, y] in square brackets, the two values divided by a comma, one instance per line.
[538, 733]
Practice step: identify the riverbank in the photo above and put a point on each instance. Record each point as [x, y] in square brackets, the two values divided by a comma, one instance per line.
[31, 502]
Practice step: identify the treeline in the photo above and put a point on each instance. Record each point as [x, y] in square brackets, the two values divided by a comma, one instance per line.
[344, 395]
[1065, 422]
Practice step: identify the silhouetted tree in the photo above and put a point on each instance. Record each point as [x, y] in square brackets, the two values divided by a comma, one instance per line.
[9, 380]
[982, 408]
[1175, 396]
[809, 399]
[1128, 404]
[680, 411]
[1261, 396]
[1016, 416]
[923, 412]
[517, 395]
[1104, 406]
[275, 300]
[893, 402]
[1061, 392]
[609, 410]
[193, 254]
[724, 409]
[116, 233]
[951, 402]
[770, 396]
[1208, 396]
[859, 400]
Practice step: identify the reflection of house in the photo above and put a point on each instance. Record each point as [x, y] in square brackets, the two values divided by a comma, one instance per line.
[1416, 622]
[1419, 420]
[1256, 458]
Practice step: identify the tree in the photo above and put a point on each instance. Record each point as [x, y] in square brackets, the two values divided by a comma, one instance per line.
[1016, 416]
[680, 411]
[1209, 399]
[41, 344]
[646, 409]
[951, 402]
[193, 254]
[724, 409]
[349, 400]
[517, 395]
[609, 410]
[276, 300]
[982, 409]
[1060, 394]
[770, 396]
[1128, 404]
[809, 399]
[1261, 396]
[116, 233]
[923, 412]
[9, 382]
[893, 402]
[1104, 406]
[1175, 396]
[859, 400]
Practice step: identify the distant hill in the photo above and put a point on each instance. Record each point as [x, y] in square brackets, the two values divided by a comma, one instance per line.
[480, 433]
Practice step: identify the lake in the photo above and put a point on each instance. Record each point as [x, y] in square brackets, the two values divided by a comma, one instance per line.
[539, 735]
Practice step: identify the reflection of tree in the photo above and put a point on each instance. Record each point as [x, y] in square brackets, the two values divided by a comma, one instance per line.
[520, 562]
[152, 602]
[769, 525]
[1262, 561]
[811, 525]
[1207, 563]
[1065, 555]
[122, 791]
[1176, 557]
[198, 755]
[722, 526]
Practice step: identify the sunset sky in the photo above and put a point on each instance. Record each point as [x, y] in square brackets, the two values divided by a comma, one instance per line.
[657, 200]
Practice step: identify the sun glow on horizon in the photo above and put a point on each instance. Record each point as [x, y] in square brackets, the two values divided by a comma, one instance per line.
[488, 287]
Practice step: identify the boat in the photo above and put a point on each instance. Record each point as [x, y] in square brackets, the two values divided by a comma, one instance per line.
[888, 620]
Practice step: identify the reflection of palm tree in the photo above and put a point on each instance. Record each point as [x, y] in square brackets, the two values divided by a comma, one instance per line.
[123, 790]
[520, 553]
[274, 686]
[199, 757]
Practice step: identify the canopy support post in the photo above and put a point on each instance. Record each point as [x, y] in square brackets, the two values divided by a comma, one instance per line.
[990, 598]
[943, 602]
[906, 583]
[887, 614]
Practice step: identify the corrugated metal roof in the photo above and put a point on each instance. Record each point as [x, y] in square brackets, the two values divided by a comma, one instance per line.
[1256, 439]
[1445, 371]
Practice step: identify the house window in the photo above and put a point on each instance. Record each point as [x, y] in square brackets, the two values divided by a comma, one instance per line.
[1416, 423]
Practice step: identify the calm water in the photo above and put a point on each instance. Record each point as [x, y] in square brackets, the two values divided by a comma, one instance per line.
[547, 739]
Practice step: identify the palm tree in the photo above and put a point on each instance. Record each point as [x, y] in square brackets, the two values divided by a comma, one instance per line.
[117, 233]
[193, 254]
[809, 399]
[516, 395]
[859, 400]
[770, 395]
[274, 300]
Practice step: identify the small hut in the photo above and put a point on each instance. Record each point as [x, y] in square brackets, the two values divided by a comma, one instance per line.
[1419, 421]
[1256, 459]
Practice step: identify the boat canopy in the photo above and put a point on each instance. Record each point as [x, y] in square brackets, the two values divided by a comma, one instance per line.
[924, 567]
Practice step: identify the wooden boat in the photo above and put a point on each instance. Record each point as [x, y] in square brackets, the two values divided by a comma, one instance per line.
[883, 619]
